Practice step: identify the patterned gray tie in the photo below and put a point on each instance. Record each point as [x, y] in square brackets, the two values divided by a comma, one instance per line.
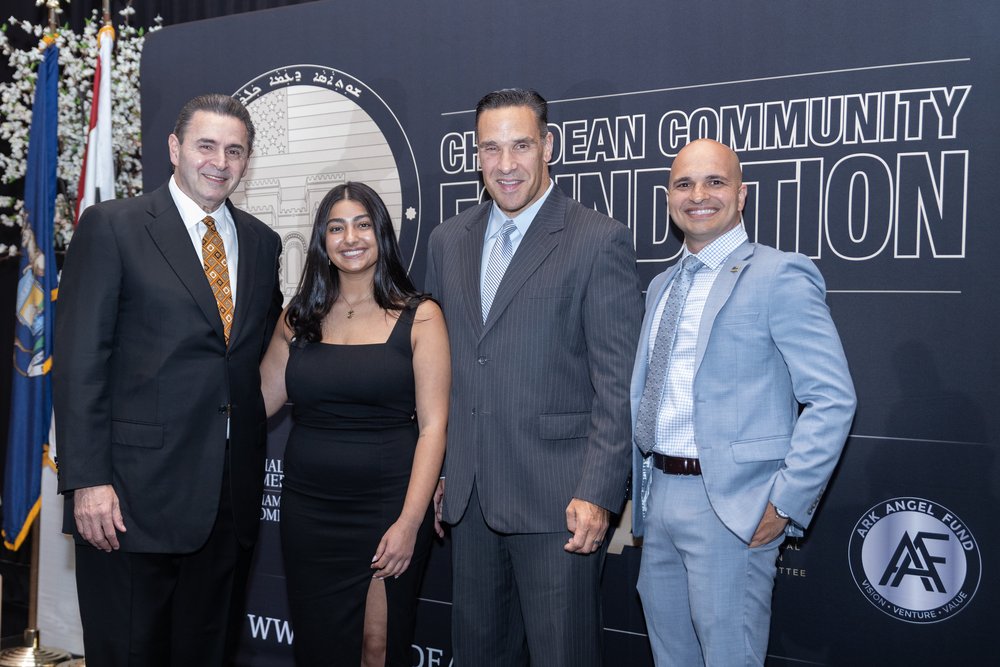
[656, 375]
[500, 256]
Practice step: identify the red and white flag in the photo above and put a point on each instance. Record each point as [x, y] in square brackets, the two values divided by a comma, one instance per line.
[97, 179]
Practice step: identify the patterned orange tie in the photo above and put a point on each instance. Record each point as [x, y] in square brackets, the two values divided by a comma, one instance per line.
[213, 252]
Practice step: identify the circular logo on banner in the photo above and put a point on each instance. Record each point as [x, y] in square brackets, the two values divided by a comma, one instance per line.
[317, 127]
[915, 560]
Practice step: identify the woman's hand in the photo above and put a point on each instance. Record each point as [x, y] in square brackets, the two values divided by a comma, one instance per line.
[395, 549]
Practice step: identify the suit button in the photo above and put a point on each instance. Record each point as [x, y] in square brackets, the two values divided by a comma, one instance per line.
[473, 412]
[225, 409]
[482, 361]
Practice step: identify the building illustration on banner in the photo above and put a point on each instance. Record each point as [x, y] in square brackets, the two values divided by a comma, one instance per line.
[317, 128]
[915, 560]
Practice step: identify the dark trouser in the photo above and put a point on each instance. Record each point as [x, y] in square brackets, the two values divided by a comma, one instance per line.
[170, 610]
[522, 595]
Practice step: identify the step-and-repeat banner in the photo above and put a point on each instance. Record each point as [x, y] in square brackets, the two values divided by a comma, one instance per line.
[868, 137]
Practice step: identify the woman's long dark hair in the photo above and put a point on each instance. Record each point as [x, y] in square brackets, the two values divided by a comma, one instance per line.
[320, 284]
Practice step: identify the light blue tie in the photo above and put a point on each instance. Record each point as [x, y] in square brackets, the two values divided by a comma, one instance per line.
[656, 376]
[500, 256]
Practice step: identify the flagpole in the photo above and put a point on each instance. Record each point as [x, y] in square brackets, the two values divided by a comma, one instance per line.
[53, 7]
[32, 653]
[33, 585]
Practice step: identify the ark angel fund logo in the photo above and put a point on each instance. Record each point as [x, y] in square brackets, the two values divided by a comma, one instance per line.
[915, 560]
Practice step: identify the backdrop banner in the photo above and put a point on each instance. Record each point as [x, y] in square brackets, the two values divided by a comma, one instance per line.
[867, 134]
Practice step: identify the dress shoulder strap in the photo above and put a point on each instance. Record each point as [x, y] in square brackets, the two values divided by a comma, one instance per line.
[400, 336]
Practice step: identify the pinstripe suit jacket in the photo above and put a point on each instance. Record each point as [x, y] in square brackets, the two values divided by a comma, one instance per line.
[540, 392]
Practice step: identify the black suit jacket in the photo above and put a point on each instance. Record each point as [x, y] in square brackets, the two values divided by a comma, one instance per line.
[539, 408]
[143, 379]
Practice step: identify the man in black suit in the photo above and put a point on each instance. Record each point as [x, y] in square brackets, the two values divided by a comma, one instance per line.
[167, 303]
[543, 306]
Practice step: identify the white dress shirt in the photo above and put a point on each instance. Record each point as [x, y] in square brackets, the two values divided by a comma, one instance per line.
[192, 215]
[675, 418]
[497, 218]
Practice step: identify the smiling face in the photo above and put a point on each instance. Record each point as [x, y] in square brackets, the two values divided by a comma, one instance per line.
[514, 157]
[350, 238]
[211, 159]
[706, 193]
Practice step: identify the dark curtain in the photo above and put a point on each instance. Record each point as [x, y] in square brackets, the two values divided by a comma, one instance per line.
[172, 11]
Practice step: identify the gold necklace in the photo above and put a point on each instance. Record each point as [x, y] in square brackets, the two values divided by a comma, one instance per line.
[350, 313]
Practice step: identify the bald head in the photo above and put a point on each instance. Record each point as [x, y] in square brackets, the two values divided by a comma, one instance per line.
[705, 193]
[704, 150]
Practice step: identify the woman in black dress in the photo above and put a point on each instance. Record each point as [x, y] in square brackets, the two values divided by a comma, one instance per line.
[364, 359]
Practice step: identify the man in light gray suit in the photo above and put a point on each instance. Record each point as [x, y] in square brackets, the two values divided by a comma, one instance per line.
[741, 403]
[543, 305]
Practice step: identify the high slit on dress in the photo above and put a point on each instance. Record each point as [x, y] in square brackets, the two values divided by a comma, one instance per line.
[347, 468]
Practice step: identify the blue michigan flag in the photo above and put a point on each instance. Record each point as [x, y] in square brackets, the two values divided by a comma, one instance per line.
[31, 387]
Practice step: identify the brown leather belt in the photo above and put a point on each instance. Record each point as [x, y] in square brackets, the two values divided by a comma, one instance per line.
[676, 465]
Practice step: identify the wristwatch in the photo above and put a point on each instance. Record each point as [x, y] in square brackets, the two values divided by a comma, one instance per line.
[779, 513]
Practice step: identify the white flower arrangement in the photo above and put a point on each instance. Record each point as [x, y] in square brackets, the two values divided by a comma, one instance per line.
[77, 57]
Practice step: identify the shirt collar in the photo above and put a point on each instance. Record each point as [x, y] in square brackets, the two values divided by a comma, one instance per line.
[190, 212]
[522, 221]
[718, 250]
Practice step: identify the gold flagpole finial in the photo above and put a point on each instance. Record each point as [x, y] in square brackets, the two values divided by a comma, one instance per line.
[54, 11]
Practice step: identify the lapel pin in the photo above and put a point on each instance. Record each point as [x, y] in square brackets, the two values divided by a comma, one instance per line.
[735, 269]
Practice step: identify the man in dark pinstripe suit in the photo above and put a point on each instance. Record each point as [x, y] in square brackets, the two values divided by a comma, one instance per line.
[543, 306]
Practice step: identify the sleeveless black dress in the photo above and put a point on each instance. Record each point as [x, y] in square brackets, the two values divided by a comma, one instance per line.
[347, 467]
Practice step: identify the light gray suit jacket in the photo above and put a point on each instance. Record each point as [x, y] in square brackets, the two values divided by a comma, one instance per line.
[539, 400]
[773, 397]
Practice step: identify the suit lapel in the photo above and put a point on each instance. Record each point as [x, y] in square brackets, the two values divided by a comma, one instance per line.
[168, 233]
[732, 268]
[248, 243]
[542, 237]
[471, 257]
